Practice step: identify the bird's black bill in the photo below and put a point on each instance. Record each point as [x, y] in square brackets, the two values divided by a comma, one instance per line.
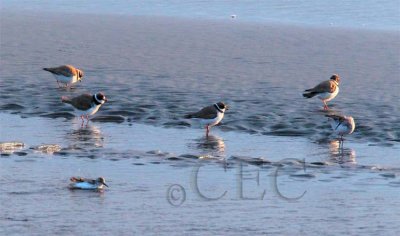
[105, 185]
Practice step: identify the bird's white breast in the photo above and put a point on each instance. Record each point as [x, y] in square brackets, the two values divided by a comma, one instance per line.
[67, 79]
[212, 122]
[328, 96]
[88, 112]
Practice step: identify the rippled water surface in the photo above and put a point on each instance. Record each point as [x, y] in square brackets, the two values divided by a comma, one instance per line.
[152, 74]
[272, 166]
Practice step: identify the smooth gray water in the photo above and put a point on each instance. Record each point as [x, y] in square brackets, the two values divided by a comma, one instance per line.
[365, 14]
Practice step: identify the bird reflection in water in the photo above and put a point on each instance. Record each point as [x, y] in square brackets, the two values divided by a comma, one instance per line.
[210, 145]
[340, 154]
[86, 136]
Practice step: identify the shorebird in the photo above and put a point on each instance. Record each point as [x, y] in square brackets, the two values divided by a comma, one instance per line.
[342, 125]
[66, 74]
[209, 116]
[326, 90]
[87, 184]
[86, 104]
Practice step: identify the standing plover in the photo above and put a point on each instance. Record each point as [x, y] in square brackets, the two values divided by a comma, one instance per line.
[342, 125]
[66, 74]
[87, 184]
[326, 90]
[209, 116]
[86, 104]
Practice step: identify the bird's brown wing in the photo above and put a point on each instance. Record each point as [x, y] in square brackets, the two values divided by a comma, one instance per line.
[324, 87]
[206, 113]
[80, 180]
[66, 70]
[82, 102]
[77, 179]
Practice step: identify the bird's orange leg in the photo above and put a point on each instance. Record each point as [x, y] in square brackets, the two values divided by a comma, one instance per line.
[207, 130]
[325, 106]
[83, 120]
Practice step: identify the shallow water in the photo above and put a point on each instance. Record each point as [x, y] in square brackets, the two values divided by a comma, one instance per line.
[165, 177]
[176, 181]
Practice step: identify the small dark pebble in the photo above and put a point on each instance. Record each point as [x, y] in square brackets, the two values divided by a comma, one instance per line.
[289, 133]
[305, 175]
[250, 160]
[62, 153]
[91, 156]
[58, 115]
[388, 175]
[174, 158]
[189, 156]
[318, 163]
[177, 123]
[138, 164]
[111, 118]
[13, 219]
[20, 153]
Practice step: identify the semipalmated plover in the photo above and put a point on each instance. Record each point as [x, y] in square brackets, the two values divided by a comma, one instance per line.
[342, 125]
[86, 104]
[66, 74]
[209, 116]
[87, 184]
[326, 90]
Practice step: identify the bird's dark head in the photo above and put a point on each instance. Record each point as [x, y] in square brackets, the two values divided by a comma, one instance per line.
[222, 106]
[99, 98]
[336, 78]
